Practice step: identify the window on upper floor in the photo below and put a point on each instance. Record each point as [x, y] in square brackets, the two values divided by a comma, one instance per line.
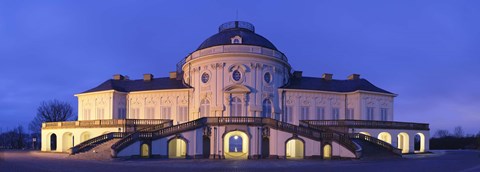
[289, 114]
[204, 108]
[370, 113]
[384, 113]
[236, 107]
[165, 112]
[304, 111]
[320, 113]
[335, 113]
[349, 114]
[121, 113]
[150, 113]
[267, 108]
[182, 114]
[100, 114]
[134, 113]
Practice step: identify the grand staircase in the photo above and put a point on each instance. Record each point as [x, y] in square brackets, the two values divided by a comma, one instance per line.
[109, 145]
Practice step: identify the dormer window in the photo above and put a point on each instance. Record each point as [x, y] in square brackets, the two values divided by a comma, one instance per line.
[236, 40]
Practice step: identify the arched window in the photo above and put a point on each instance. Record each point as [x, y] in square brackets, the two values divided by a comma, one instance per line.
[236, 107]
[267, 108]
[204, 108]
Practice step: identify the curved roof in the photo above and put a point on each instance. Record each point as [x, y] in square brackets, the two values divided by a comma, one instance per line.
[236, 28]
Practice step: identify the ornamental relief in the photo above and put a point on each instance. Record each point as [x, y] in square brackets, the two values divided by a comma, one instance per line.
[290, 100]
[321, 100]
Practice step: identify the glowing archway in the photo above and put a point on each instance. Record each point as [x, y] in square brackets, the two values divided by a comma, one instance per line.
[420, 138]
[67, 140]
[294, 149]
[385, 136]
[145, 151]
[236, 145]
[327, 151]
[403, 142]
[84, 136]
[177, 148]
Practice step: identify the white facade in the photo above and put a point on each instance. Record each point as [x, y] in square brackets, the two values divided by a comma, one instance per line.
[237, 79]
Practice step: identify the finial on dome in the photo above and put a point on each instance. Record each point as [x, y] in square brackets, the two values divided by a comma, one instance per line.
[236, 24]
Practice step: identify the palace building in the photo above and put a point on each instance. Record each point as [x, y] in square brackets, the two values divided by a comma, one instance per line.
[236, 97]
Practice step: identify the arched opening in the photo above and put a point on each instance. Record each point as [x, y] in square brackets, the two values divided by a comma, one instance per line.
[267, 108]
[236, 145]
[177, 148]
[402, 142]
[236, 107]
[386, 137]
[294, 149]
[206, 147]
[84, 136]
[327, 151]
[419, 143]
[67, 140]
[53, 142]
[365, 133]
[145, 151]
[265, 147]
[204, 108]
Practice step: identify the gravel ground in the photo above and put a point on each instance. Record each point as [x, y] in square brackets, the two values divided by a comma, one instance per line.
[32, 161]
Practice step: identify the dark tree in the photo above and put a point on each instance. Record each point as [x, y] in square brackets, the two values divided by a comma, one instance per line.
[51, 111]
[441, 133]
[458, 132]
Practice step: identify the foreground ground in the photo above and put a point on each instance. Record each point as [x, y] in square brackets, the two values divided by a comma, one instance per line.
[438, 161]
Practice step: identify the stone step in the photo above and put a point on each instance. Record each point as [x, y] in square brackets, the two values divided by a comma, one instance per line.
[100, 152]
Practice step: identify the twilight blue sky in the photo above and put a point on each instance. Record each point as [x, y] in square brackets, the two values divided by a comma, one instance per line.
[428, 52]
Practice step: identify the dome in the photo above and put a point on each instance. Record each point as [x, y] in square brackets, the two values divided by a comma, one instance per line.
[236, 29]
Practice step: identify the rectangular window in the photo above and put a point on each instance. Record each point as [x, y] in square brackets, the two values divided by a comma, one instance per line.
[349, 114]
[166, 112]
[134, 113]
[86, 114]
[100, 114]
[150, 113]
[121, 113]
[304, 112]
[289, 114]
[383, 113]
[335, 113]
[320, 113]
[370, 115]
[182, 114]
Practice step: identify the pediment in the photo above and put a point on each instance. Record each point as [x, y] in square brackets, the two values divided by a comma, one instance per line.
[237, 88]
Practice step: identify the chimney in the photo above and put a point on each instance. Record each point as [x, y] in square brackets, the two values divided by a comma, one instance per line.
[327, 76]
[173, 75]
[147, 77]
[297, 74]
[354, 77]
[118, 77]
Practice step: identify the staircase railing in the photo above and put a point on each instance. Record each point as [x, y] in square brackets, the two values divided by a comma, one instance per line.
[95, 141]
[154, 134]
[312, 133]
[376, 141]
